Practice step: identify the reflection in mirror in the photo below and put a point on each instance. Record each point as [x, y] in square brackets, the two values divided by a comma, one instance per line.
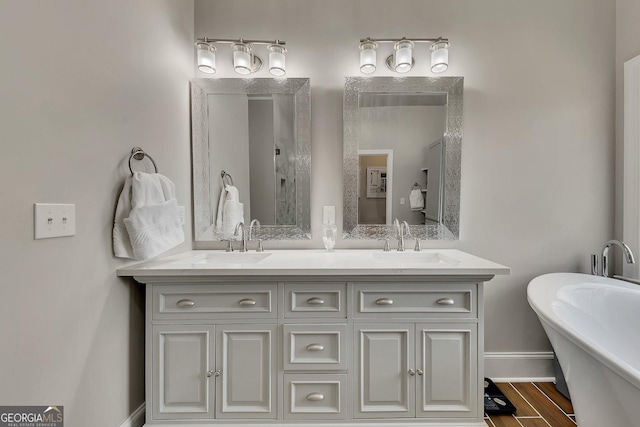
[251, 157]
[402, 141]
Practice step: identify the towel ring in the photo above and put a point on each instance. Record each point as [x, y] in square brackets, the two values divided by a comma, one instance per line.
[138, 154]
[224, 175]
[416, 185]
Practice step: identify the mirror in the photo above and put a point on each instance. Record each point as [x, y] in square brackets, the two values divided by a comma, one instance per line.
[251, 150]
[402, 151]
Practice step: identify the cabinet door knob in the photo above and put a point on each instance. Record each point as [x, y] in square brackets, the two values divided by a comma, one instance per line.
[315, 347]
[315, 301]
[445, 301]
[315, 397]
[384, 301]
[247, 302]
[412, 372]
[185, 303]
[215, 373]
[420, 372]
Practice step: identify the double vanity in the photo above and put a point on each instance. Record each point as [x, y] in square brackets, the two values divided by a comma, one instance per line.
[291, 337]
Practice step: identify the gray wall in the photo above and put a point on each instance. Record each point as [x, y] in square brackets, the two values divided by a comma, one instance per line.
[627, 47]
[82, 83]
[538, 150]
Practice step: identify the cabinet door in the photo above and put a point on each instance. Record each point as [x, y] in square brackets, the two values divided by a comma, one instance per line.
[182, 357]
[384, 366]
[246, 357]
[447, 357]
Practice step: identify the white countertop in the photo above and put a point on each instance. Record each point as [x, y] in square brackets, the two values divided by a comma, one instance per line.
[349, 262]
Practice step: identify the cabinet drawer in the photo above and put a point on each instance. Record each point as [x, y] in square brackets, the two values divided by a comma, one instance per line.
[221, 301]
[315, 347]
[315, 396]
[408, 300]
[315, 300]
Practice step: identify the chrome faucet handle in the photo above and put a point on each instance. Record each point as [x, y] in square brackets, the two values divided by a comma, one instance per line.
[417, 247]
[386, 247]
[594, 264]
[259, 247]
[229, 246]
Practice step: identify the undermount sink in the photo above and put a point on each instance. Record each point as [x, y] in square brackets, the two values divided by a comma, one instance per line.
[431, 258]
[233, 258]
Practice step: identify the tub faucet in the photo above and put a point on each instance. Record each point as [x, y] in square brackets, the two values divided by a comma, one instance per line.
[240, 225]
[605, 255]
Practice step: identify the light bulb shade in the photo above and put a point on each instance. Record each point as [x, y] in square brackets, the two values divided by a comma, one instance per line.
[403, 57]
[242, 58]
[206, 57]
[368, 56]
[277, 59]
[439, 56]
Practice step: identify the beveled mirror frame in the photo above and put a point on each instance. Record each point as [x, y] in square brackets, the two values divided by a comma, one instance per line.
[448, 229]
[202, 181]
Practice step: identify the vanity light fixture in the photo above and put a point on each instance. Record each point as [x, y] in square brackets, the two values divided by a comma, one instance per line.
[402, 61]
[206, 57]
[245, 62]
[368, 56]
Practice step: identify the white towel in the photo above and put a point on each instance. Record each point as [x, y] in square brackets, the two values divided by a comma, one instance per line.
[230, 210]
[121, 243]
[416, 201]
[149, 211]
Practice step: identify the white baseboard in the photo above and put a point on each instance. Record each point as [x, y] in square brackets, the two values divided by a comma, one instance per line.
[136, 419]
[519, 366]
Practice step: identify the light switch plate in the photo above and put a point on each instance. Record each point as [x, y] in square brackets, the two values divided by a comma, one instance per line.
[328, 214]
[54, 220]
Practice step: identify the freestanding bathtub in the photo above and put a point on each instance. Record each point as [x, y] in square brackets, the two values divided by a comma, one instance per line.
[593, 324]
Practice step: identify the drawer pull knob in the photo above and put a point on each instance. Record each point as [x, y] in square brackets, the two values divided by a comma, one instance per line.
[315, 301]
[412, 372]
[315, 347]
[445, 301]
[384, 301]
[247, 302]
[185, 303]
[315, 397]
[420, 371]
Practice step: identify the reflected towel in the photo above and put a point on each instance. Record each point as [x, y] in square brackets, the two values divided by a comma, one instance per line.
[233, 214]
[228, 192]
[416, 201]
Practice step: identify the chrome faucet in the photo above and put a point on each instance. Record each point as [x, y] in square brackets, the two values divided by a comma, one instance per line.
[240, 225]
[605, 255]
[401, 228]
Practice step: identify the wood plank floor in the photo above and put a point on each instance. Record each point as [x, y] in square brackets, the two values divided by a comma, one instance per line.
[537, 404]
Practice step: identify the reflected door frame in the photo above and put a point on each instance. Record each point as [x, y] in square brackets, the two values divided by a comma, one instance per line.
[389, 198]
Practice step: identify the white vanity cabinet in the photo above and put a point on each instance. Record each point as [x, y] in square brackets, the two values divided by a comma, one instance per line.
[347, 350]
[331, 339]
